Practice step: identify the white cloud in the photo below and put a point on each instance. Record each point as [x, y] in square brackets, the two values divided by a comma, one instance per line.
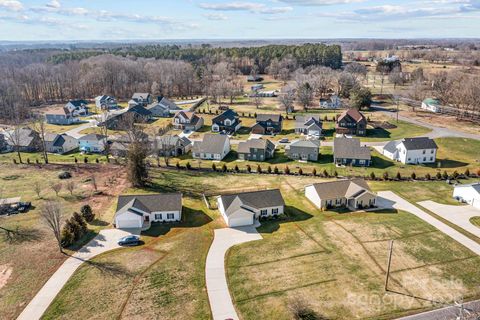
[54, 4]
[245, 6]
[319, 2]
[215, 16]
[13, 5]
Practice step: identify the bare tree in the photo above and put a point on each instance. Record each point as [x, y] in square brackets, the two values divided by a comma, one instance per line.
[305, 95]
[93, 180]
[37, 187]
[287, 98]
[56, 187]
[396, 77]
[51, 216]
[70, 186]
[104, 132]
[39, 127]
[256, 100]
[137, 152]
[165, 146]
[357, 70]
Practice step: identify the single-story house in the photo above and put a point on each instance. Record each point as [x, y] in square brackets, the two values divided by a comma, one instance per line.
[61, 116]
[264, 94]
[353, 194]
[139, 211]
[187, 120]
[163, 108]
[141, 98]
[256, 150]
[92, 142]
[60, 143]
[228, 122]
[305, 150]
[308, 125]
[256, 78]
[106, 102]
[23, 140]
[243, 209]
[348, 151]
[412, 150]
[172, 145]
[268, 124]
[468, 193]
[212, 147]
[432, 105]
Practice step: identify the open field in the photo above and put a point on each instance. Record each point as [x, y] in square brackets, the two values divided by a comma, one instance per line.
[333, 261]
[34, 258]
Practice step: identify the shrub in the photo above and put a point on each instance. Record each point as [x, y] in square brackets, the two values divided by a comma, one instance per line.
[64, 175]
[399, 176]
[67, 238]
[259, 169]
[87, 213]
[467, 173]
[28, 160]
[439, 175]
[372, 176]
[455, 174]
[249, 169]
[75, 159]
[224, 168]
[214, 167]
[445, 175]
[14, 161]
[177, 165]
[314, 172]
[478, 172]
[275, 170]
[287, 170]
[236, 168]
[78, 219]
[300, 171]
[385, 176]
[325, 173]
[335, 173]
[85, 160]
[269, 169]
[428, 176]
[36, 161]
[97, 161]
[413, 175]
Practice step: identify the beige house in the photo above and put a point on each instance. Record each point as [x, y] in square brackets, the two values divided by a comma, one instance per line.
[353, 194]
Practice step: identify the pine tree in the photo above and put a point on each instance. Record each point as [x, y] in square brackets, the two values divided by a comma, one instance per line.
[87, 213]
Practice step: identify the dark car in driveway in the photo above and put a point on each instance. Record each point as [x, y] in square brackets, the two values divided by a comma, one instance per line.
[131, 240]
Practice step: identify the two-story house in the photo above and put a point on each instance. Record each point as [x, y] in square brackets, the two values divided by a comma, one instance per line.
[303, 150]
[92, 143]
[140, 98]
[256, 150]
[61, 116]
[244, 209]
[412, 150]
[268, 124]
[106, 103]
[163, 108]
[60, 143]
[77, 108]
[187, 120]
[308, 125]
[212, 147]
[351, 122]
[228, 122]
[349, 152]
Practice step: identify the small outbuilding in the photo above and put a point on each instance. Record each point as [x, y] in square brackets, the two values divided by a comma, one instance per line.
[468, 193]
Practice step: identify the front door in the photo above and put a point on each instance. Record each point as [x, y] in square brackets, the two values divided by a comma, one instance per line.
[147, 218]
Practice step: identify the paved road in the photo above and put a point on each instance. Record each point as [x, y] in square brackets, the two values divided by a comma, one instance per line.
[437, 131]
[448, 313]
[389, 199]
[220, 300]
[459, 215]
[75, 132]
[106, 240]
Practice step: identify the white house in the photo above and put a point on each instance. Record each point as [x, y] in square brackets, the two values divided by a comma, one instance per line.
[212, 147]
[243, 209]
[412, 150]
[105, 102]
[139, 211]
[432, 105]
[354, 194]
[92, 143]
[77, 108]
[333, 102]
[468, 193]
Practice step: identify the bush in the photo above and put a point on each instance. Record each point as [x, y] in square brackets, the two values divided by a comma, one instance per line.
[300, 171]
[399, 176]
[269, 169]
[75, 159]
[314, 172]
[85, 160]
[67, 238]
[287, 170]
[14, 161]
[64, 175]
[467, 173]
[36, 161]
[455, 174]
[28, 160]
[214, 167]
[97, 161]
[428, 176]
[275, 170]
[385, 176]
[413, 175]
[439, 175]
[188, 166]
[372, 176]
[325, 173]
[87, 213]
[478, 172]
[177, 165]
[236, 168]
[224, 168]
[445, 175]
[78, 219]
[335, 173]
[259, 169]
[249, 169]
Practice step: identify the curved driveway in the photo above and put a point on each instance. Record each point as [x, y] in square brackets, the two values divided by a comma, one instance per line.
[217, 287]
[106, 240]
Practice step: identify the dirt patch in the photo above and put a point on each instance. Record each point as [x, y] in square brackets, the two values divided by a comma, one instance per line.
[382, 125]
[5, 273]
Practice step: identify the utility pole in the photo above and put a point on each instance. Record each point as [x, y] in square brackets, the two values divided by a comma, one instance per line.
[390, 251]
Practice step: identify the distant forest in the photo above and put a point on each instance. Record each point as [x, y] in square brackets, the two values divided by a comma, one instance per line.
[306, 55]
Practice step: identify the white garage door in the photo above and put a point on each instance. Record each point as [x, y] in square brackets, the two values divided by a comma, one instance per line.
[241, 221]
[128, 223]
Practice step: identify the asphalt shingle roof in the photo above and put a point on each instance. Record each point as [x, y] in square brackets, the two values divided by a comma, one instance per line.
[151, 202]
[211, 143]
[341, 188]
[244, 146]
[254, 199]
[419, 143]
[349, 148]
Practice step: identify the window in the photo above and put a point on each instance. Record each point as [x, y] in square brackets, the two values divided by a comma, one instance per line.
[409, 159]
[158, 216]
[263, 213]
[424, 159]
[431, 158]
[170, 216]
[275, 211]
[424, 151]
[431, 151]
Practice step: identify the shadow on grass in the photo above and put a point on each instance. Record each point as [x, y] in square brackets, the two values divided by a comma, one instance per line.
[381, 163]
[446, 163]
[99, 223]
[292, 214]
[378, 133]
[112, 269]
[20, 235]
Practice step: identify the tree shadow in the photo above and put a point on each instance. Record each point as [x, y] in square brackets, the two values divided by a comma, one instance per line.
[99, 223]
[292, 214]
[21, 235]
[287, 131]
[112, 269]
[381, 163]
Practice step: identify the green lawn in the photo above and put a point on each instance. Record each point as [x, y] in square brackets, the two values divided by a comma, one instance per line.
[475, 221]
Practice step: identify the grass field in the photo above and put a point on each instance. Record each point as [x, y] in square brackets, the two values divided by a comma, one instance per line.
[475, 221]
[333, 261]
[34, 258]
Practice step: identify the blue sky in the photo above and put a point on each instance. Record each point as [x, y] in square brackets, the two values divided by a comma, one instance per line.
[223, 19]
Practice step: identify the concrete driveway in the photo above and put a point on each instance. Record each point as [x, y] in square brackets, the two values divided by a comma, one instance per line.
[75, 132]
[459, 215]
[106, 240]
[388, 199]
[217, 287]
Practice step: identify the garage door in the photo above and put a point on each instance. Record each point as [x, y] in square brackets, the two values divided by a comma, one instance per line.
[125, 224]
[241, 221]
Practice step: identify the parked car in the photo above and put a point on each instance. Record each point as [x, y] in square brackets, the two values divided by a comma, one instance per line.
[23, 206]
[284, 140]
[129, 241]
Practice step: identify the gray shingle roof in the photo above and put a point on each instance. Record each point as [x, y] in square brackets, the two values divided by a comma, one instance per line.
[349, 148]
[22, 137]
[211, 143]
[92, 137]
[391, 146]
[140, 96]
[254, 199]
[342, 188]
[228, 114]
[419, 143]
[305, 143]
[272, 117]
[244, 146]
[151, 202]
[307, 120]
